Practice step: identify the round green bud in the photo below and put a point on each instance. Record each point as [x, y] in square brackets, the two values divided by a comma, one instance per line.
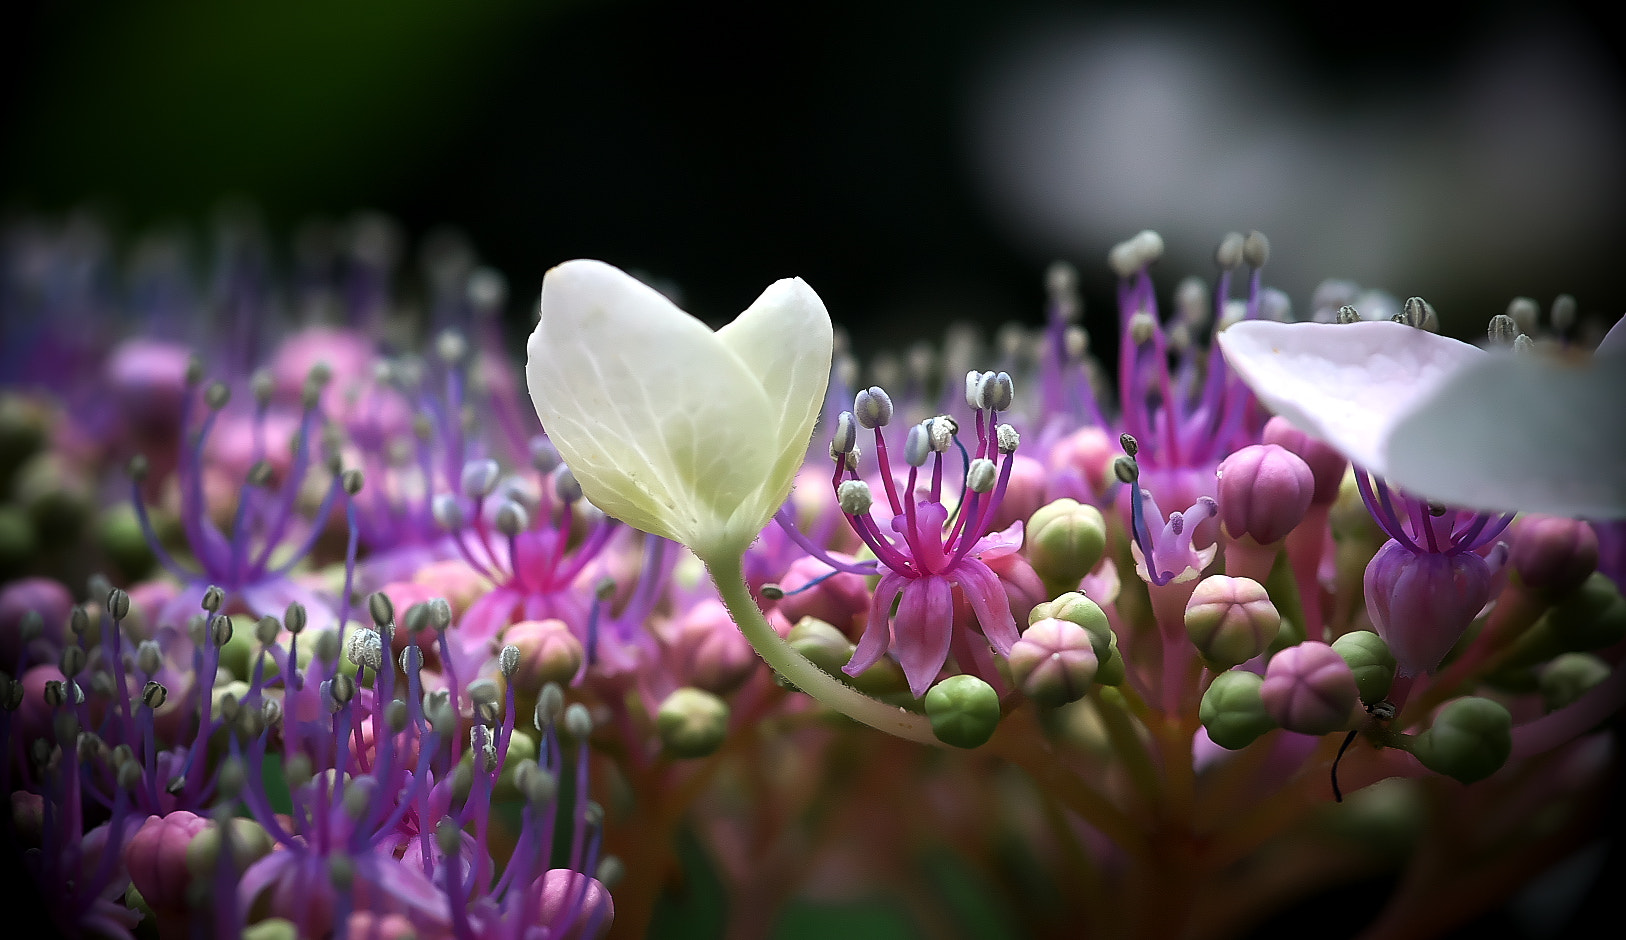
[120, 535]
[17, 543]
[822, 644]
[1075, 607]
[1054, 662]
[964, 711]
[249, 843]
[1111, 669]
[1233, 712]
[1591, 617]
[1231, 620]
[241, 649]
[1570, 676]
[1471, 739]
[885, 678]
[1371, 662]
[1065, 541]
[692, 723]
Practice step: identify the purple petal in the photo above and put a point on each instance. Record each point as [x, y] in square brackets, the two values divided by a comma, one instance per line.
[922, 629]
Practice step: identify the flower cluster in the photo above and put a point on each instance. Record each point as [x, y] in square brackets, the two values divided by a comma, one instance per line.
[364, 649]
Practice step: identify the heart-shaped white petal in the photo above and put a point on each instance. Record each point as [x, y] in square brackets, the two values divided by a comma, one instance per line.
[674, 429]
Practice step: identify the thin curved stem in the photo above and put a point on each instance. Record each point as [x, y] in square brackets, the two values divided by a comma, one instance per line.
[727, 575]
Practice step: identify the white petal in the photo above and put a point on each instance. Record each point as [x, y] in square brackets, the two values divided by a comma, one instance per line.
[659, 421]
[1345, 383]
[785, 340]
[1529, 432]
[1614, 341]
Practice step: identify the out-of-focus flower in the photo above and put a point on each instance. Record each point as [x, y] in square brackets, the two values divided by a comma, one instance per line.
[1496, 432]
[674, 429]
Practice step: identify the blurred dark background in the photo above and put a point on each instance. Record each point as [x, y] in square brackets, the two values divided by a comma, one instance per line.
[918, 162]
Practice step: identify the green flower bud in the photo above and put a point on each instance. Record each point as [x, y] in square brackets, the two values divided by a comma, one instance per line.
[1371, 662]
[1570, 676]
[272, 928]
[1591, 617]
[1075, 607]
[1471, 739]
[17, 543]
[120, 535]
[883, 679]
[1231, 620]
[1232, 710]
[249, 843]
[964, 711]
[1054, 662]
[1111, 670]
[692, 723]
[823, 645]
[1065, 541]
[239, 653]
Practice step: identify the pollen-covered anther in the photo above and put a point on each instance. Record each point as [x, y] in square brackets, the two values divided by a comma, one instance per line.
[294, 618]
[845, 439]
[440, 613]
[508, 660]
[981, 476]
[1142, 327]
[452, 347]
[118, 604]
[1256, 249]
[381, 609]
[975, 391]
[1348, 314]
[213, 598]
[942, 430]
[854, 497]
[873, 407]
[365, 648]
[1007, 438]
[154, 694]
[340, 690]
[1126, 469]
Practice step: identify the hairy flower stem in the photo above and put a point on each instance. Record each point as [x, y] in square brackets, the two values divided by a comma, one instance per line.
[727, 575]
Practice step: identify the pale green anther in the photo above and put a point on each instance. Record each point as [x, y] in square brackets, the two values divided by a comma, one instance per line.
[11, 698]
[154, 694]
[213, 598]
[225, 704]
[78, 621]
[129, 775]
[550, 705]
[578, 724]
[411, 659]
[101, 683]
[610, 872]
[340, 690]
[297, 768]
[692, 723]
[1142, 327]
[1229, 253]
[442, 719]
[72, 661]
[220, 630]
[53, 693]
[964, 711]
[1523, 344]
[1348, 314]
[381, 609]
[451, 347]
[266, 630]
[1256, 249]
[544, 456]
[138, 467]
[487, 713]
[417, 618]
[1007, 438]
[118, 604]
[917, 446]
[512, 519]
[261, 385]
[396, 716]
[854, 497]
[480, 477]
[352, 481]
[31, 626]
[250, 722]
[1563, 313]
[326, 647]
[846, 435]
[873, 407]
[231, 779]
[447, 511]
[271, 712]
[1123, 259]
[593, 815]
[341, 870]
[540, 787]
[216, 396]
[982, 475]
[483, 692]
[1129, 445]
[565, 485]
[365, 648]
[1126, 470]
[440, 613]
[462, 783]
[295, 618]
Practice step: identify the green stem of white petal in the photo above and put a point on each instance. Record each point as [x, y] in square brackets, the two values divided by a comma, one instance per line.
[799, 670]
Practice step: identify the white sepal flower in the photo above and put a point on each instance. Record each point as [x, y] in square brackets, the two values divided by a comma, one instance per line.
[1446, 421]
[689, 434]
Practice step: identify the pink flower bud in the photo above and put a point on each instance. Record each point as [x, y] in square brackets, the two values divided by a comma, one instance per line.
[1422, 602]
[572, 903]
[347, 354]
[1088, 453]
[1024, 494]
[43, 595]
[1309, 688]
[1054, 662]
[1553, 554]
[454, 580]
[1263, 492]
[841, 599]
[548, 652]
[708, 650]
[1231, 620]
[147, 379]
[156, 858]
[1326, 465]
[377, 926]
